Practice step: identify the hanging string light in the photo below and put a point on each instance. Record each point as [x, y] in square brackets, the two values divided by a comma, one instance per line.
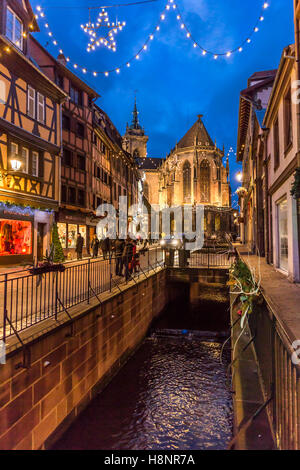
[171, 5]
[215, 55]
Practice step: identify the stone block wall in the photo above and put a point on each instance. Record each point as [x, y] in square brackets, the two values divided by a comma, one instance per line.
[68, 368]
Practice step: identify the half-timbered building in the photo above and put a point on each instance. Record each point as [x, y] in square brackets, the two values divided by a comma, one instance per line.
[76, 212]
[30, 140]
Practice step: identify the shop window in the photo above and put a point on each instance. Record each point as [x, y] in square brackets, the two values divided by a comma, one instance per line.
[72, 235]
[283, 252]
[62, 234]
[14, 28]
[82, 231]
[15, 237]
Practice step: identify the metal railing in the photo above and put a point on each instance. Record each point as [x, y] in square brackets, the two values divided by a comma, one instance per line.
[207, 257]
[28, 299]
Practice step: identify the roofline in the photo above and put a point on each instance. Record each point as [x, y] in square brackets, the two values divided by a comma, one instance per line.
[282, 63]
[20, 54]
[84, 85]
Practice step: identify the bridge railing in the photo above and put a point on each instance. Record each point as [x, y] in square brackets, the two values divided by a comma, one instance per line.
[28, 299]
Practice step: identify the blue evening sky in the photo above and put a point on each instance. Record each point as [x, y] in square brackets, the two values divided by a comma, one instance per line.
[174, 82]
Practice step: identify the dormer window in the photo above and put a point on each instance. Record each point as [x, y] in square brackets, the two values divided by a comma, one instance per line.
[14, 28]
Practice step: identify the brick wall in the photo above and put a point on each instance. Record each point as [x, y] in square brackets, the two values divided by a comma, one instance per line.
[37, 404]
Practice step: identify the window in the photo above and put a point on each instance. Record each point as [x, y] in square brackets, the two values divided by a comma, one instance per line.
[67, 157]
[276, 144]
[72, 195]
[62, 234]
[31, 102]
[283, 252]
[40, 108]
[187, 182]
[98, 172]
[16, 237]
[25, 158]
[66, 122]
[81, 197]
[64, 193]
[81, 162]
[288, 124]
[146, 190]
[60, 81]
[14, 28]
[80, 130]
[75, 95]
[35, 164]
[205, 181]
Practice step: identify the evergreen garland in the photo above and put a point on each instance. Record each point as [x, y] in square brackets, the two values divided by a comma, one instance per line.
[295, 191]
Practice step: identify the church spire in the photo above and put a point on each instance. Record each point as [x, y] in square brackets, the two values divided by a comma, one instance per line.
[135, 119]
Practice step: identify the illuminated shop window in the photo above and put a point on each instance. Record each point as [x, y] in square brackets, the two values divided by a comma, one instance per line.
[62, 234]
[82, 231]
[15, 237]
[72, 235]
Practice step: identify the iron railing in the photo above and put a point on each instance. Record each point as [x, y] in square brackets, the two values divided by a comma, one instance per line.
[28, 299]
[207, 257]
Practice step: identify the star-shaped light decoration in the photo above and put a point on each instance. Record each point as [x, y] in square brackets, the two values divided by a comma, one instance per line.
[102, 33]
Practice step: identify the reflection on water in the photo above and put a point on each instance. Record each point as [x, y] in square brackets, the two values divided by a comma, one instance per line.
[171, 395]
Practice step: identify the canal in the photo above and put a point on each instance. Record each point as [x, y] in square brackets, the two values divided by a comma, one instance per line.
[172, 394]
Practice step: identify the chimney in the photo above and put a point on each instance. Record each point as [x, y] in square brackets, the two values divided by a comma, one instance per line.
[62, 60]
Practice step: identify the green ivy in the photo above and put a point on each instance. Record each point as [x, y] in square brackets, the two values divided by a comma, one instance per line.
[240, 271]
[295, 191]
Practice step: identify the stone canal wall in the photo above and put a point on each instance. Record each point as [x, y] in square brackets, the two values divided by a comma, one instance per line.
[70, 361]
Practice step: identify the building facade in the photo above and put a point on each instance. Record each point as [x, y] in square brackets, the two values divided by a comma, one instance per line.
[30, 139]
[193, 173]
[250, 151]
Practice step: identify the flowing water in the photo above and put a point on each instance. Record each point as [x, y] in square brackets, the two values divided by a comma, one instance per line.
[170, 395]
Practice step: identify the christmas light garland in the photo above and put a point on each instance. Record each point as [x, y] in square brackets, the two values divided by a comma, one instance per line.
[111, 44]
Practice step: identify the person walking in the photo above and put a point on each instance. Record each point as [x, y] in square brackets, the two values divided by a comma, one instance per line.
[127, 257]
[79, 246]
[105, 245]
[95, 246]
[118, 249]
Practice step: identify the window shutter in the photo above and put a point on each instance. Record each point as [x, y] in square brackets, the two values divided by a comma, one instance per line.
[31, 102]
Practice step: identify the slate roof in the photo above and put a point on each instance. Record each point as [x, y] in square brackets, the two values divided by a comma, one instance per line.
[149, 163]
[197, 132]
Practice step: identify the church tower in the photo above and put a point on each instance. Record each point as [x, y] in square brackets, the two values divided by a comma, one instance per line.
[135, 141]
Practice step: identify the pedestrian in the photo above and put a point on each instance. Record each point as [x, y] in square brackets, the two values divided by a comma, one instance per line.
[135, 259]
[127, 257]
[79, 246]
[95, 246]
[105, 247]
[118, 249]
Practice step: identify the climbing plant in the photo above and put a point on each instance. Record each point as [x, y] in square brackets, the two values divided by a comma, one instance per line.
[295, 191]
[245, 287]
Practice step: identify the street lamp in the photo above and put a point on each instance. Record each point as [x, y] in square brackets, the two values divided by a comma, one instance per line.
[15, 164]
[239, 176]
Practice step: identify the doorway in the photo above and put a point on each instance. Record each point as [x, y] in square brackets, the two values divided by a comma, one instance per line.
[40, 241]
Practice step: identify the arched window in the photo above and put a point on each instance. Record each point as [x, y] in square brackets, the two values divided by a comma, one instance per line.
[186, 182]
[205, 181]
[146, 190]
[217, 223]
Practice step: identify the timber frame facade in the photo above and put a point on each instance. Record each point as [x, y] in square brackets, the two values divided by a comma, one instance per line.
[30, 139]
